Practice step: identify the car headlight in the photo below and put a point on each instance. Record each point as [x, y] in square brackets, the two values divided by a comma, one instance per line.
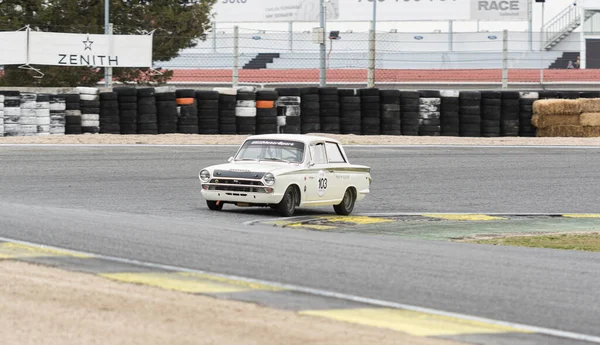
[269, 179]
[204, 175]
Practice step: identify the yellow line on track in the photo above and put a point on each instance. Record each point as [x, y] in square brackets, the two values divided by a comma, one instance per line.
[9, 250]
[464, 217]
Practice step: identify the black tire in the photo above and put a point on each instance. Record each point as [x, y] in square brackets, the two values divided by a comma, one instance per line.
[429, 93]
[186, 93]
[207, 95]
[213, 206]
[347, 205]
[285, 91]
[287, 206]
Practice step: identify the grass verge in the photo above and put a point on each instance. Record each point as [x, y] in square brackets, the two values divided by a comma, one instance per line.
[585, 242]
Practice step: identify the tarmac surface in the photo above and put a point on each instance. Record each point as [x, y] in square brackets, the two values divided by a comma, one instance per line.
[144, 203]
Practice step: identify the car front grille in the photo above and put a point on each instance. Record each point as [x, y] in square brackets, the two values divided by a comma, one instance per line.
[236, 185]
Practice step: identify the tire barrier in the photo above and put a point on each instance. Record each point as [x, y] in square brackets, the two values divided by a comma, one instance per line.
[289, 110]
[42, 114]
[350, 112]
[131, 110]
[526, 100]
[127, 99]
[147, 112]
[449, 118]
[166, 110]
[370, 105]
[390, 112]
[491, 113]
[90, 109]
[429, 113]
[266, 112]
[73, 114]
[110, 120]
[288, 114]
[409, 112]
[329, 105]
[187, 111]
[469, 111]
[245, 112]
[58, 109]
[28, 116]
[310, 110]
[208, 112]
[509, 119]
[1, 115]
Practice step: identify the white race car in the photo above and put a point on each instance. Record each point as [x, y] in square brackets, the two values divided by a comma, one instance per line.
[285, 171]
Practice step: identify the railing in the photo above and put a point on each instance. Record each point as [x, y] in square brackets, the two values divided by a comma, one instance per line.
[561, 23]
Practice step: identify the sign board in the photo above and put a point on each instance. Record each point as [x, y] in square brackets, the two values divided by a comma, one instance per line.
[499, 10]
[61, 49]
[260, 11]
[13, 48]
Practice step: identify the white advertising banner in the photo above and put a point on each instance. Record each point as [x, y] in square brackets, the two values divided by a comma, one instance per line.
[499, 10]
[62, 49]
[13, 48]
[239, 11]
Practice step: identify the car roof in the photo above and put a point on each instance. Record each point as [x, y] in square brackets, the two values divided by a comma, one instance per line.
[293, 137]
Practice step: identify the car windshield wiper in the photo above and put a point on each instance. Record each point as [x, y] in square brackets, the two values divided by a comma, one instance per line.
[247, 159]
[275, 159]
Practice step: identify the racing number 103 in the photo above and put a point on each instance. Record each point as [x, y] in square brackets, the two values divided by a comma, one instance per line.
[323, 183]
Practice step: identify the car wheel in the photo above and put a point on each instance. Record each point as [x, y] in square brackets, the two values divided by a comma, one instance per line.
[287, 205]
[347, 204]
[214, 206]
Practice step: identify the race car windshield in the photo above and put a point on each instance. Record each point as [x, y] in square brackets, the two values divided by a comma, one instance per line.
[272, 150]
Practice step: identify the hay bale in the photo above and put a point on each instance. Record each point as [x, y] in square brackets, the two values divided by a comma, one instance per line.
[589, 105]
[543, 121]
[557, 107]
[589, 119]
[591, 131]
[560, 131]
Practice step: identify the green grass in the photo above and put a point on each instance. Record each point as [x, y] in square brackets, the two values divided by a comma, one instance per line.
[586, 242]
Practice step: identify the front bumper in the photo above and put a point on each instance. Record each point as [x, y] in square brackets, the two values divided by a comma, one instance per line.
[242, 197]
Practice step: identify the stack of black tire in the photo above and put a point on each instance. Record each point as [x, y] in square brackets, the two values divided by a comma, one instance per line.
[409, 112]
[469, 110]
[449, 117]
[390, 112]
[127, 98]
[166, 110]
[310, 117]
[208, 111]
[329, 105]
[289, 106]
[589, 94]
[72, 114]
[57, 115]
[548, 95]
[526, 128]
[568, 94]
[370, 106]
[146, 111]
[429, 113]
[245, 112]
[491, 110]
[187, 111]
[350, 114]
[90, 109]
[266, 117]
[509, 120]
[227, 104]
[110, 122]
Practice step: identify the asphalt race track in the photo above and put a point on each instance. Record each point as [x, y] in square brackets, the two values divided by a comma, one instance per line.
[144, 203]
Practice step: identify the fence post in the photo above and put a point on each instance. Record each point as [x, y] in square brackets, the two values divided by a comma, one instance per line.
[236, 55]
[108, 71]
[504, 59]
[450, 35]
[214, 36]
[322, 52]
[372, 38]
[291, 35]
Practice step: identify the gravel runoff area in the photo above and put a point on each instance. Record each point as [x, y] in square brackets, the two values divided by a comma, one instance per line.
[196, 139]
[42, 305]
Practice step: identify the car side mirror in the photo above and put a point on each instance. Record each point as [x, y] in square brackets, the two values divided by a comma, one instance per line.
[311, 164]
[230, 159]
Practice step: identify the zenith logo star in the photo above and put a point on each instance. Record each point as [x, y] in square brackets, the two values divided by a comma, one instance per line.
[88, 43]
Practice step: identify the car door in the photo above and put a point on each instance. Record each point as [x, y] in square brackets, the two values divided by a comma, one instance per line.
[339, 177]
[319, 176]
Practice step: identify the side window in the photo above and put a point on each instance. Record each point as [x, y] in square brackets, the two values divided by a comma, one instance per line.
[318, 154]
[334, 154]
